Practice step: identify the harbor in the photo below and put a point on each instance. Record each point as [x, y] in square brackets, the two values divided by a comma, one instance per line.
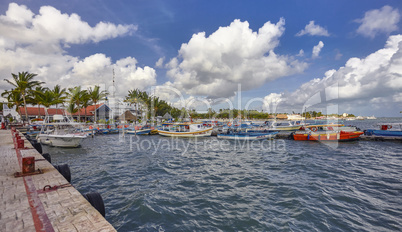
[200, 116]
[168, 184]
[146, 179]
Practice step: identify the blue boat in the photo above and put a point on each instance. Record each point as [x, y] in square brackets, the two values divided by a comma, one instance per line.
[247, 135]
[389, 130]
[141, 130]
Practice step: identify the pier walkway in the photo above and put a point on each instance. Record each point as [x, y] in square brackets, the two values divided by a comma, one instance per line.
[26, 206]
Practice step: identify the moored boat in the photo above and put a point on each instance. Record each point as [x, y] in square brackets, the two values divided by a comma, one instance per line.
[61, 134]
[284, 125]
[185, 130]
[389, 130]
[328, 136]
[142, 130]
[247, 135]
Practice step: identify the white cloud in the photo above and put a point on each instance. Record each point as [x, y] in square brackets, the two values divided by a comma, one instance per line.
[34, 43]
[301, 53]
[377, 76]
[384, 20]
[271, 102]
[19, 15]
[314, 30]
[50, 28]
[214, 65]
[317, 49]
[159, 63]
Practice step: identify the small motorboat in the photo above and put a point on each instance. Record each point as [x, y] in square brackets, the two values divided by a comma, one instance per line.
[389, 130]
[284, 125]
[62, 133]
[141, 130]
[327, 135]
[186, 129]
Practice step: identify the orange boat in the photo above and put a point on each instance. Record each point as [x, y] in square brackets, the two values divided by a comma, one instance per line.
[337, 136]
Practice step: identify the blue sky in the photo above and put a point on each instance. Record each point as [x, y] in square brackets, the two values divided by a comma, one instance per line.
[271, 57]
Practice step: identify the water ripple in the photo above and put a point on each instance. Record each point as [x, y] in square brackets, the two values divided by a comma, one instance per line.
[188, 187]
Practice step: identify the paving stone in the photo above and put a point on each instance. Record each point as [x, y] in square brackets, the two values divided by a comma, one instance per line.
[66, 208]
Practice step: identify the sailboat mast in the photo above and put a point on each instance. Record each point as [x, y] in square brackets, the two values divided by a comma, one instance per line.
[114, 99]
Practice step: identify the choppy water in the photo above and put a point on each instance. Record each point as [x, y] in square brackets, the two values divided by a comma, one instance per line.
[208, 185]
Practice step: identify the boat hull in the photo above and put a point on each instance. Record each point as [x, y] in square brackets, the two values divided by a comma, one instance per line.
[340, 136]
[384, 133]
[201, 133]
[285, 128]
[60, 140]
[139, 132]
[247, 136]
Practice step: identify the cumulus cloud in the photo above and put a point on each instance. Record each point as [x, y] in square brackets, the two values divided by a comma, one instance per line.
[317, 49]
[376, 78]
[271, 102]
[35, 43]
[51, 26]
[314, 30]
[214, 65]
[384, 20]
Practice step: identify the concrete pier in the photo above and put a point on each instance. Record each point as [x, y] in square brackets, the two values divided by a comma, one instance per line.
[26, 206]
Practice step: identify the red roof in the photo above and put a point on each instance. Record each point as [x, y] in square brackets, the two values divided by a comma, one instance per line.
[90, 110]
[33, 111]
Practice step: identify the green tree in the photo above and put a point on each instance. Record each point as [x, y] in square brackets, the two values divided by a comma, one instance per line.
[47, 99]
[86, 101]
[36, 97]
[134, 97]
[76, 96]
[97, 95]
[14, 98]
[60, 95]
[71, 108]
[23, 82]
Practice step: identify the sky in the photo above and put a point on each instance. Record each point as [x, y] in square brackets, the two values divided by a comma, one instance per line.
[276, 56]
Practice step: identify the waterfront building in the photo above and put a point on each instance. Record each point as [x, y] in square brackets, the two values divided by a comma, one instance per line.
[83, 115]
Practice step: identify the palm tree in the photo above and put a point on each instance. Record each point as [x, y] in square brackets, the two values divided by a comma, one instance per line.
[48, 99]
[76, 97]
[86, 101]
[60, 95]
[71, 108]
[133, 98]
[23, 82]
[36, 96]
[14, 98]
[96, 95]
[156, 105]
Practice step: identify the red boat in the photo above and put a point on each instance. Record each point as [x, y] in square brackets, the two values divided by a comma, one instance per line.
[336, 136]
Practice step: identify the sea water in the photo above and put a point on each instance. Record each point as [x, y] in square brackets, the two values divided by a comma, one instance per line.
[154, 183]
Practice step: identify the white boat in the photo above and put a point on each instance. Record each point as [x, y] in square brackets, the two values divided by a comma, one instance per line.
[61, 134]
[285, 125]
[340, 128]
[184, 130]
